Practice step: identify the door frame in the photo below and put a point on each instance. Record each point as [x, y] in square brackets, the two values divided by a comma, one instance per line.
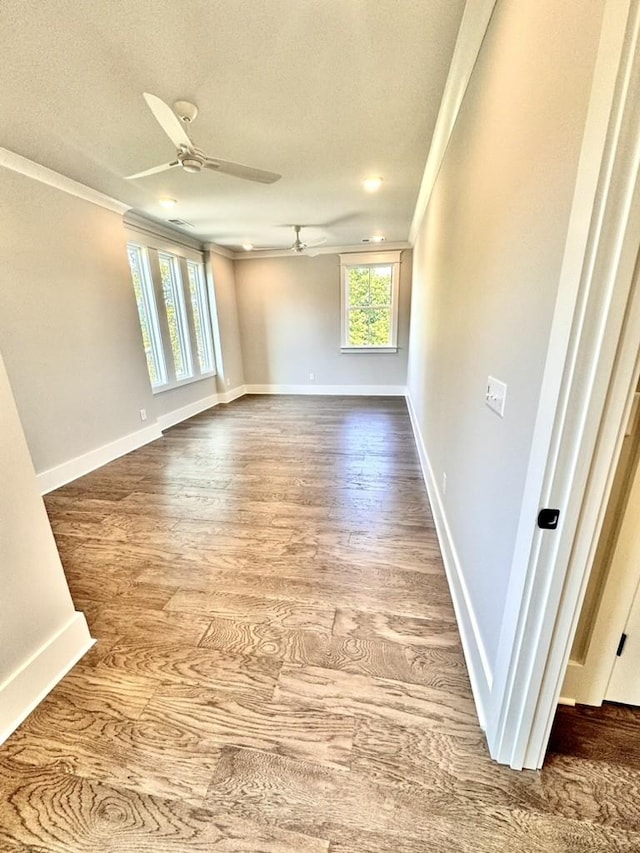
[587, 681]
[583, 406]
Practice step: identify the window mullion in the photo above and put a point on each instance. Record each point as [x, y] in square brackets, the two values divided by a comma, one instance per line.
[188, 306]
[156, 277]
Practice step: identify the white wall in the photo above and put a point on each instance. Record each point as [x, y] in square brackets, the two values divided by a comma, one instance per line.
[289, 311]
[41, 635]
[486, 272]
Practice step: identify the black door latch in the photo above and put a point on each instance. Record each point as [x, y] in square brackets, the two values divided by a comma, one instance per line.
[548, 519]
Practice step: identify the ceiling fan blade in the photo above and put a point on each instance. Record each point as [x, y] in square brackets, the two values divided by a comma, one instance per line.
[153, 171]
[315, 243]
[248, 173]
[168, 121]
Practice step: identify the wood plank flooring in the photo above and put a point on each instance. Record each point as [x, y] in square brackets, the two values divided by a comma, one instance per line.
[278, 668]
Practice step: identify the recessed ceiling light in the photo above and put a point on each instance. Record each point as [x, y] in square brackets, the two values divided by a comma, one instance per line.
[378, 238]
[372, 184]
[248, 247]
[167, 202]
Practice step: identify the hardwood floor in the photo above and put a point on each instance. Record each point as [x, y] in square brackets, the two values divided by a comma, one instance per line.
[278, 668]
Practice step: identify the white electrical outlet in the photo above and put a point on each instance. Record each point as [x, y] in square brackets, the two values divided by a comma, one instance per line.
[143, 414]
[444, 483]
[496, 395]
[228, 382]
[312, 377]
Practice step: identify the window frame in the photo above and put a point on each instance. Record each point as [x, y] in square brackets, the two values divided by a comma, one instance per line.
[358, 260]
[151, 248]
[204, 309]
[148, 299]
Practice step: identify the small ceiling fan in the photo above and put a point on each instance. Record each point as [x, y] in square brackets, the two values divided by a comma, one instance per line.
[188, 156]
[298, 246]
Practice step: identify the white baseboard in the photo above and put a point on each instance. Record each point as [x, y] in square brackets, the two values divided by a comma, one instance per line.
[186, 412]
[330, 390]
[233, 394]
[566, 700]
[27, 687]
[478, 665]
[53, 478]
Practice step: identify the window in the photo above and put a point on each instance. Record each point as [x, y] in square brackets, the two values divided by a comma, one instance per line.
[175, 314]
[370, 283]
[148, 314]
[200, 309]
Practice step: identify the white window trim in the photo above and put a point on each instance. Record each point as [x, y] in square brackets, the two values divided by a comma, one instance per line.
[146, 242]
[359, 259]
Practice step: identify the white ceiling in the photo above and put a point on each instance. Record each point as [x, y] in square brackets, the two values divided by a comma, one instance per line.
[324, 92]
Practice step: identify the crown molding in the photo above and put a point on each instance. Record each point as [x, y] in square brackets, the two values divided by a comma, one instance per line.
[136, 221]
[221, 250]
[324, 250]
[30, 169]
[473, 29]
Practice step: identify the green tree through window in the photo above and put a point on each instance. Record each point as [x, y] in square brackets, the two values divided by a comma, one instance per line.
[369, 305]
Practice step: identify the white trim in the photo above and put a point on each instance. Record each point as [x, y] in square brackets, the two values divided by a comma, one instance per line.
[53, 478]
[354, 259]
[565, 700]
[369, 259]
[221, 250]
[163, 230]
[399, 245]
[540, 619]
[473, 28]
[588, 681]
[26, 688]
[330, 390]
[345, 350]
[233, 394]
[77, 467]
[148, 237]
[30, 169]
[178, 383]
[185, 412]
[475, 654]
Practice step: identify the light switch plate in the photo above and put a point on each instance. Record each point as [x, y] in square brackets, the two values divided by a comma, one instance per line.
[496, 395]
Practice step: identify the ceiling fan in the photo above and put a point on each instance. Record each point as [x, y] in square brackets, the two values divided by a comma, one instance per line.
[188, 156]
[298, 246]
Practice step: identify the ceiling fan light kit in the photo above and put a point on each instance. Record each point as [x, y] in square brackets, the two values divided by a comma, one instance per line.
[188, 156]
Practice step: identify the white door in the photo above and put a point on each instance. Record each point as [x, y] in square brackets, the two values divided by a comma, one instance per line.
[624, 685]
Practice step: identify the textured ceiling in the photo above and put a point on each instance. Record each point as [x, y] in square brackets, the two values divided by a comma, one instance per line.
[324, 92]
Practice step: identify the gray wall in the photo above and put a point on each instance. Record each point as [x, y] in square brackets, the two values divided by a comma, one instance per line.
[229, 345]
[69, 327]
[289, 310]
[486, 273]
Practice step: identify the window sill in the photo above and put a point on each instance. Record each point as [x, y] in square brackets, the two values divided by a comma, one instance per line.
[368, 349]
[171, 385]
